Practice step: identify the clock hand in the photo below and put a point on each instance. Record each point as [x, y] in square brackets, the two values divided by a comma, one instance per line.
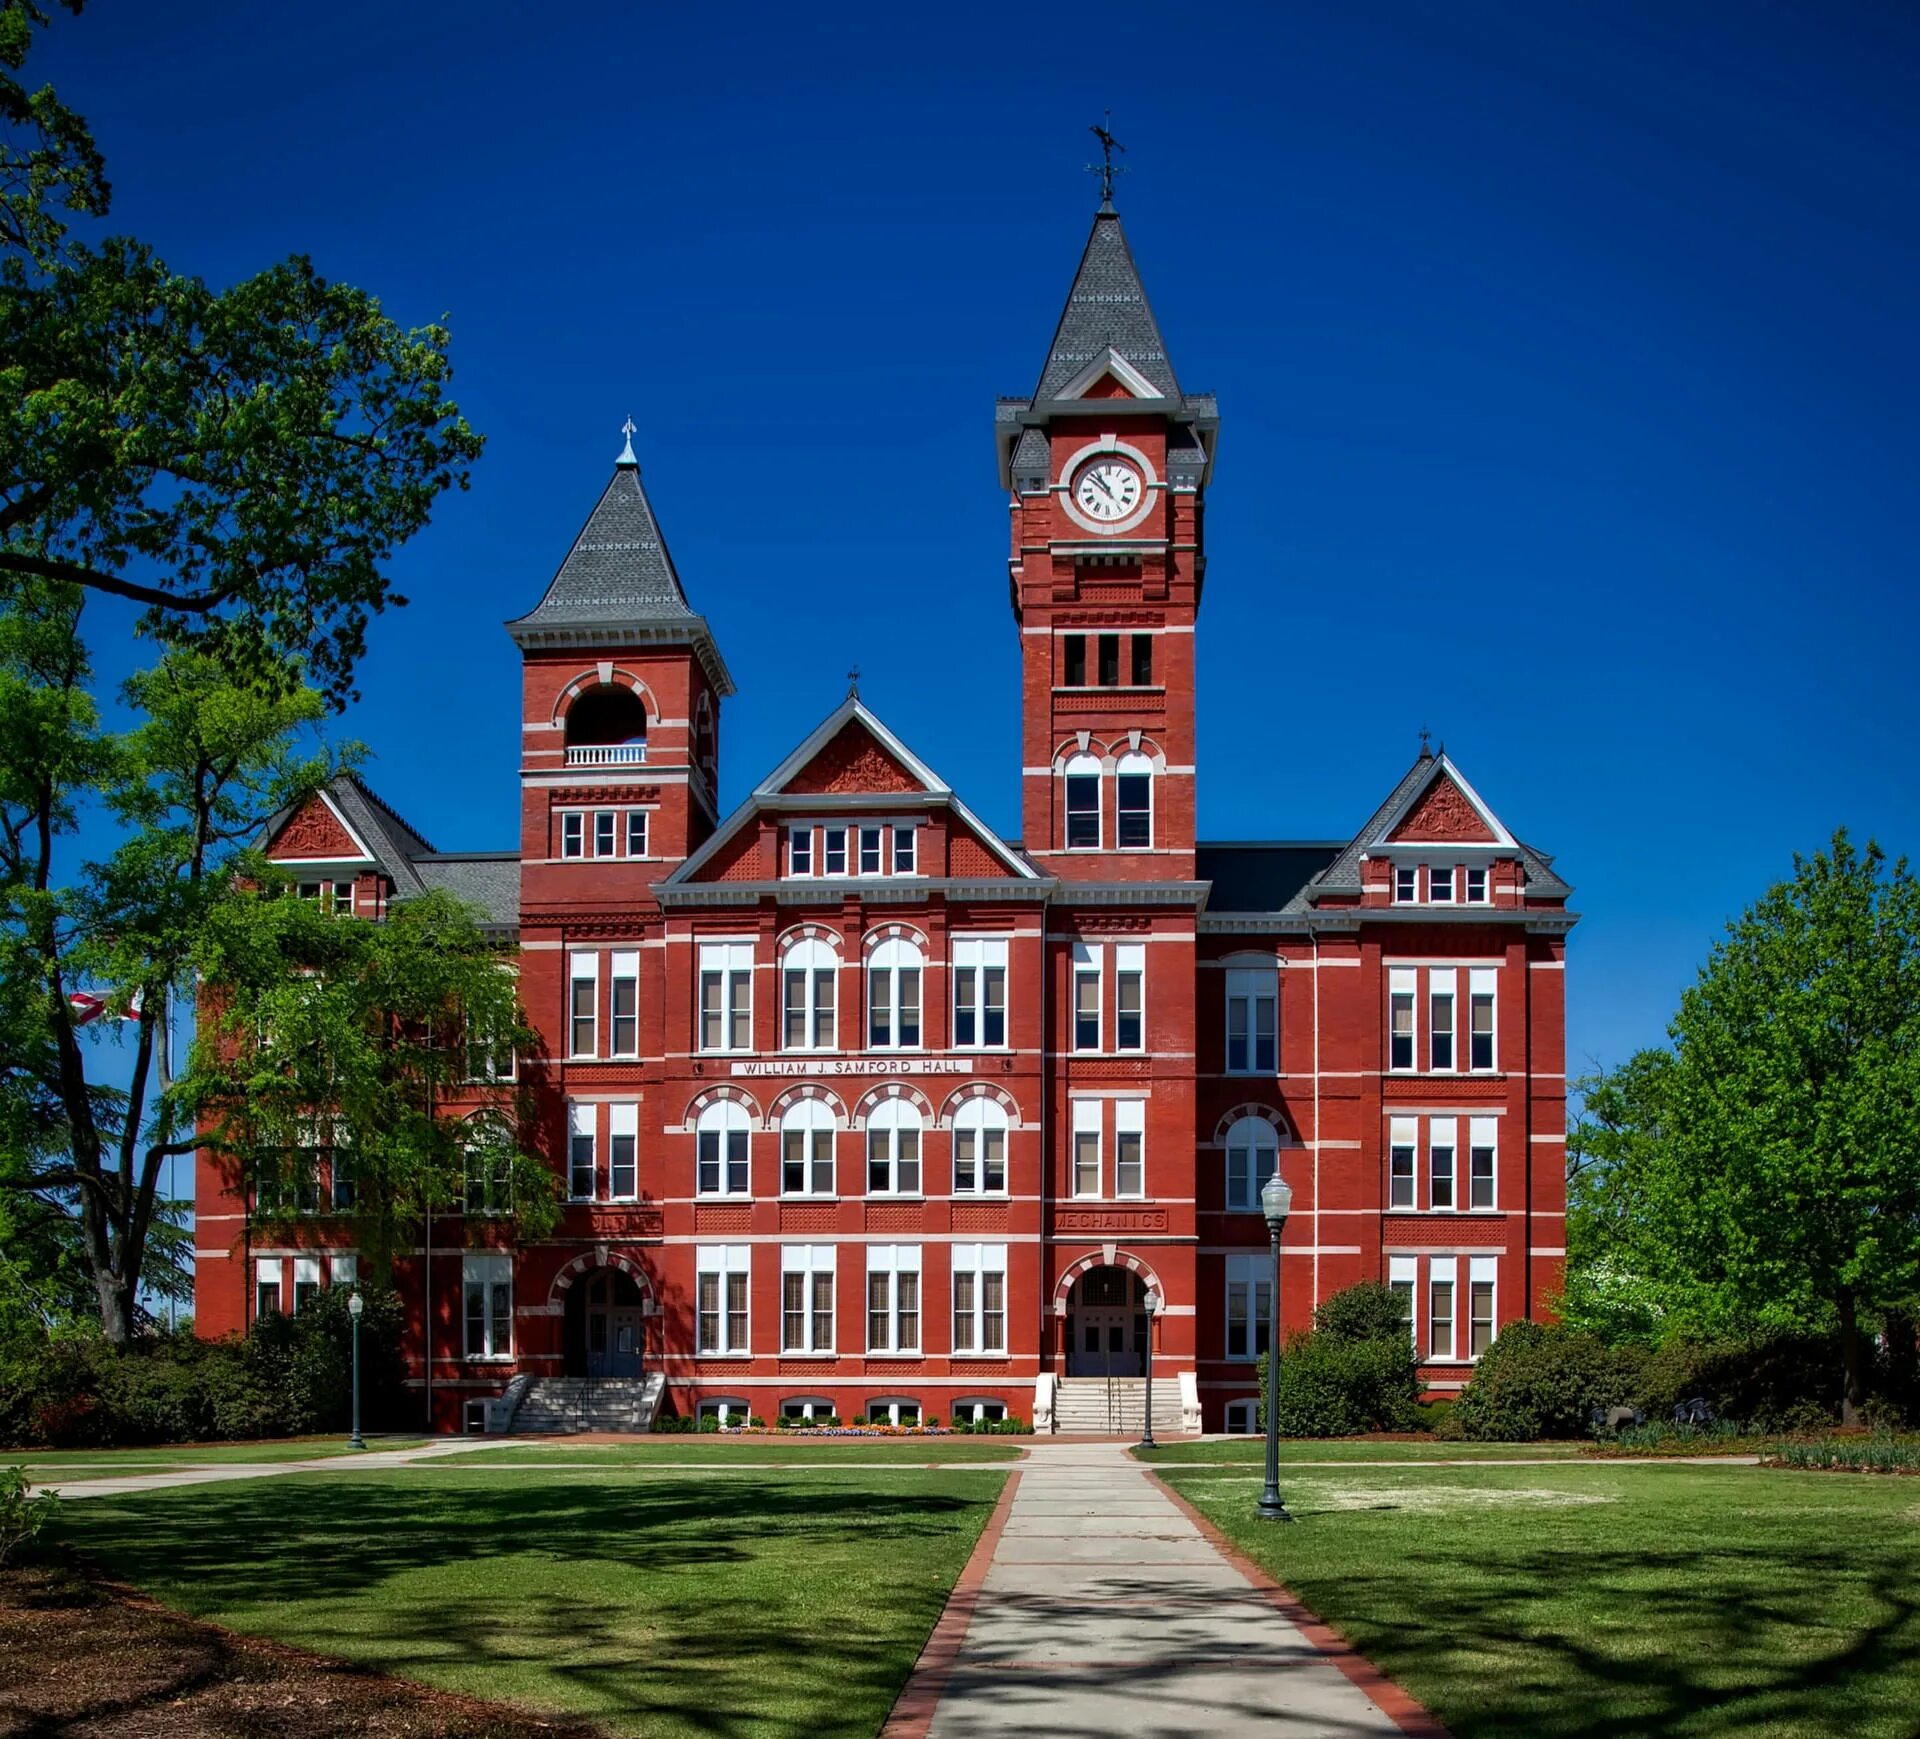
[1100, 483]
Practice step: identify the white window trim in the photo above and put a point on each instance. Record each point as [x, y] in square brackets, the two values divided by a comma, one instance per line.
[817, 960]
[725, 1118]
[1088, 960]
[1489, 1128]
[1083, 766]
[979, 1260]
[1404, 981]
[1130, 1118]
[889, 1119]
[1481, 1269]
[1135, 765]
[1260, 1136]
[1404, 1132]
[1249, 1272]
[724, 1260]
[814, 1118]
[482, 1269]
[583, 966]
[890, 960]
[583, 1120]
[623, 1119]
[973, 957]
[623, 965]
[1443, 981]
[893, 1260]
[1483, 981]
[1251, 985]
[1088, 1118]
[729, 960]
[1443, 1270]
[1450, 1128]
[810, 1261]
[979, 1118]
[1129, 958]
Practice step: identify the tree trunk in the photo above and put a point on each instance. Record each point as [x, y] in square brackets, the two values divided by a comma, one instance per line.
[1903, 1359]
[116, 1307]
[1853, 1364]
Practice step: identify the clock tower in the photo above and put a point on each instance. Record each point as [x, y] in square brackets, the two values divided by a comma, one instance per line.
[1106, 464]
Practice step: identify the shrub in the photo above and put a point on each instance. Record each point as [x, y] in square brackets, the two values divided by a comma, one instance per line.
[22, 1513]
[1339, 1388]
[1776, 1383]
[1368, 1311]
[1432, 1416]
[1537, 1381]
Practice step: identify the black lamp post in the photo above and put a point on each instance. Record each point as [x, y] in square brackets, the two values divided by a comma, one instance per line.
[1275, 1201]
[1153, 1310]
[355, 1305]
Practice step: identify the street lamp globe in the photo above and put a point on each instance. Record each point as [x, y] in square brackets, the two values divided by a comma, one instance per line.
[1276, 1201]
[355, 1305]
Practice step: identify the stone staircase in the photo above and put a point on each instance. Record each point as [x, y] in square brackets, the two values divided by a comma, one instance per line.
[562, 1404]
[1114, 1407]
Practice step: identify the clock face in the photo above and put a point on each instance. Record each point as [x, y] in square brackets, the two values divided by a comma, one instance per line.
[1107, 489]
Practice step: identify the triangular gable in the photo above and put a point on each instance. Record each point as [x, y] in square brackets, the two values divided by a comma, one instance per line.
[970, 858]
[1109, 376]
[317, 832]
[1446, 809]
[850, 753]
[853, 762]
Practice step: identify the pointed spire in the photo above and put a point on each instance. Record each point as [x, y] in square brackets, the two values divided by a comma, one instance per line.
[626, 452]
[1107, 309]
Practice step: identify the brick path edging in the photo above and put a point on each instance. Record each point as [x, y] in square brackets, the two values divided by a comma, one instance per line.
[1405, 1712]
[912, 1712]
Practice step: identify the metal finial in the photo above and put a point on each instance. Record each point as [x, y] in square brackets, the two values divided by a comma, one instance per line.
[626, 452]
[1426, 744]
[853, 683]
[1106, 168]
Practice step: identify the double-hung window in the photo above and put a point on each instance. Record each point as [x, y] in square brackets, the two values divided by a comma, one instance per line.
[1476, 887]
[636, 833]
[1249, 1305]
[1087, 1122]
[1441, 1271]
[1403, 990]
[799, 851]
[904, 854]
[1253, 1020]
[306, 1282]
[979, 1298]
[1443, 1135]
[870, 842]
[1483, 1146]
[893, 996]
[605, 833]
[1440, 884]
[581, 1167]
[1481, 1273]
[1083, 803]
[1253, 1150]
[573, 833]
[979, 992]
[583, 1003]
[486, 1279]
[1481, 1051]
[489, 1166]
[806, 1150]
[267, 1273]
[806, 1298]
[1086, 995]
[721, 1276]
[726, 996]
[1440, 994]
[720, 1138]
[624, 1002]
[1406, 884]
[809, 976]
[893, 1149]
[980, 1149]
[623, 1151]
[1130, 996]
[1403, 1152]
[1129, 1147]
[893, 1298]
[1133, 803]
[834, 850]
[1403, 1275]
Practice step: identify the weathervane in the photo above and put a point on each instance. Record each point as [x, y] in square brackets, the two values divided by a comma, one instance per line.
[853, 683]
[1106, 168]
[1426, 742]
[626, 453]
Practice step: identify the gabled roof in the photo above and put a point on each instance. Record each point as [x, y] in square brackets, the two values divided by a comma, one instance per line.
[618, 584]
[1107, 309]
[1342, 875]
[783, 789]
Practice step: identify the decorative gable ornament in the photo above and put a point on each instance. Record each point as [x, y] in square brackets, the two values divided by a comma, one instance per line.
[1443, 812]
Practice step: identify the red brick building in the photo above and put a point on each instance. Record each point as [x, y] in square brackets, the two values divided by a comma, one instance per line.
[859, 1107]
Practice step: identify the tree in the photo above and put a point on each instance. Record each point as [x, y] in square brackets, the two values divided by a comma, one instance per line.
[1770, 1170]
[242, 462]
[325, 1068]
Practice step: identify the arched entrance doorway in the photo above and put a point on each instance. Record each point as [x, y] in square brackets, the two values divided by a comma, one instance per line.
[1107, 1324]
[605, 1325]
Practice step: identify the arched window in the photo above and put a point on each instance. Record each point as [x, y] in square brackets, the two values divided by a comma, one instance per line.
[806, 1150]
[979, 1149]
[1133, 803]
[893, 996]
[809, 976]
[606, 724]
[722, 1140]
[893, 1149]
[1083, 803]
[1253, 1150]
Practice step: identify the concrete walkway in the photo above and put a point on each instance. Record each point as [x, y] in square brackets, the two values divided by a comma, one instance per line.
[214, 1472]
[1105, 1610]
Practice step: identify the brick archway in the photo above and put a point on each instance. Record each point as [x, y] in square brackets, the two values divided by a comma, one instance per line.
[1139, 1265]
[590, 1260]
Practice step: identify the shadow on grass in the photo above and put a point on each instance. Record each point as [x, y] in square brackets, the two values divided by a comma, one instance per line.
[745, 1607]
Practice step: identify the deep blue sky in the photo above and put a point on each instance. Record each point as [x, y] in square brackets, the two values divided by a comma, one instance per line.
[1566, 358]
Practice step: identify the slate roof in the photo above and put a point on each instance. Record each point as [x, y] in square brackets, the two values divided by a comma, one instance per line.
[487, 879]
[392, 841]
[618, 570]
[1260, 875]
[1107, 308]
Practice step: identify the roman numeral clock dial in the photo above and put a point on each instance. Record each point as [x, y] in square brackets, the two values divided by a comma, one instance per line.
[1107, 489]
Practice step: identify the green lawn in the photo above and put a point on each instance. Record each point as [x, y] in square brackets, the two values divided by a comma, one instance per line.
[658, 1603]
[850, 1452]
[1610, 1598]
[206, 1454]
[1307, 1449]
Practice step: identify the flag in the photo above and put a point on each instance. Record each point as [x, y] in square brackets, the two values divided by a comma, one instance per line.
[85, 1005]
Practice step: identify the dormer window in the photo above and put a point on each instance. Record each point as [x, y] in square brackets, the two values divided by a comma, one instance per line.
[1406, 884]
[870, 839]
[835, 843]
[1476, 887]
[799, 851]
[1440, 885]
[867, 848]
